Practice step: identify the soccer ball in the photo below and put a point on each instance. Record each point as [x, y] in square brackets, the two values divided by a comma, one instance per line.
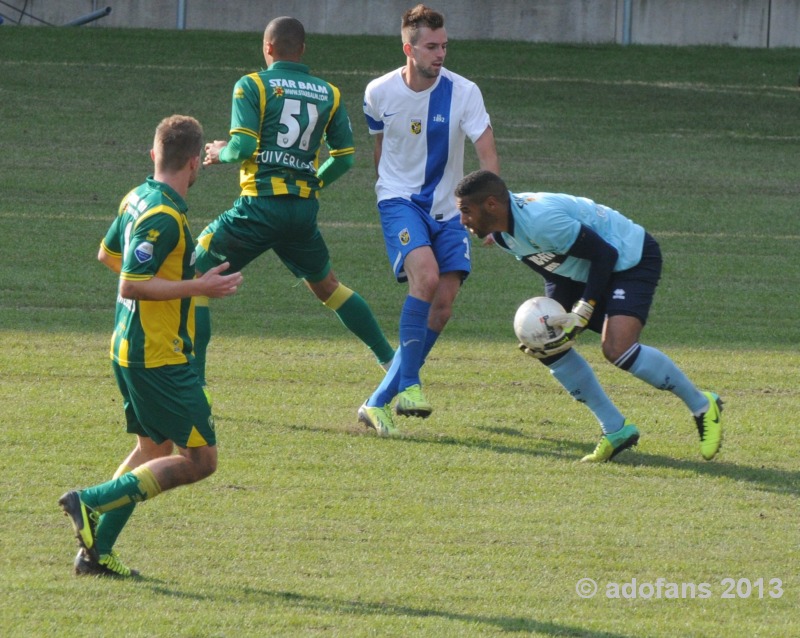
[530, 323]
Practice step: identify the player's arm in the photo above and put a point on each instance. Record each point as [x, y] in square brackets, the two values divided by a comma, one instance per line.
[602, 257]
[112, 261]
[335, 166]
[338, 137]
[210, 284]
[239, 148]
[487, 151]
[377, 151]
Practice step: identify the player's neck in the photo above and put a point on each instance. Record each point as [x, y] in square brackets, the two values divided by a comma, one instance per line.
[179, 182]
[415, 80]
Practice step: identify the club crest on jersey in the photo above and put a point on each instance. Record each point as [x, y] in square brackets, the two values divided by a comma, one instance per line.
[404, 237]
[416, 127]
[143, 252]
[278, 91]
[152, 235]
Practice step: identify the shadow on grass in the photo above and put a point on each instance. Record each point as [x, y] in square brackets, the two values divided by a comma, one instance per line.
[769, 479]
[358, 608]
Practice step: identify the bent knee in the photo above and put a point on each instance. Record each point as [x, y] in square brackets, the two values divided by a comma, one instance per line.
[438, 317]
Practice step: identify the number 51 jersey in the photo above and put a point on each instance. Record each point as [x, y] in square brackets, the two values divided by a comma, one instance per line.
[291, 113]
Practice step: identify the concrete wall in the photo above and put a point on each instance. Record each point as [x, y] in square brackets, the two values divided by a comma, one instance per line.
[745, 23]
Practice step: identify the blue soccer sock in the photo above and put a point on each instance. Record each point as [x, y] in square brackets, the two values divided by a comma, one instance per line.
[390, 385]
[654, 367]
[413, 328]
[576, 375]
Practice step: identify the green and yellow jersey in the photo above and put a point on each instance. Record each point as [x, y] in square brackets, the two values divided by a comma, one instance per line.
[289, 112]
[151, 235]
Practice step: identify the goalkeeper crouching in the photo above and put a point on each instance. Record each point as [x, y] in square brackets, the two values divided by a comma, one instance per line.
[604, 267]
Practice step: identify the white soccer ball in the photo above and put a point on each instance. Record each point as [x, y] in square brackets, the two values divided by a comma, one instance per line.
[530, 322]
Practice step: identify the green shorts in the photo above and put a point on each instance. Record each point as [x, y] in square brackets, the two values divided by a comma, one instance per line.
[286, 224]
[166, 403]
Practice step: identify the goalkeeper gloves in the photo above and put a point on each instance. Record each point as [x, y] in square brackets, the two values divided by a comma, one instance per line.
[549, 348]
[573, 323]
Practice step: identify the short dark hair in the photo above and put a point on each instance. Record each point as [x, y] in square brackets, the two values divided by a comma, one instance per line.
[287, 35]
[418, 17]
[179, 138]
[481, 184]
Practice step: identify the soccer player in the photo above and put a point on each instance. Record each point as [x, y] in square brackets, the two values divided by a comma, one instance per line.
[280, 119]
[604, 267]
[420, 115]
[149, 244]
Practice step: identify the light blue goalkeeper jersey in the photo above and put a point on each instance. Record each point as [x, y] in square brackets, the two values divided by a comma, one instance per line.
[546, 225]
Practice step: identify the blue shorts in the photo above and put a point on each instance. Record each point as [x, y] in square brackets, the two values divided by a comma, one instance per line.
[406, 226]
[629, 292]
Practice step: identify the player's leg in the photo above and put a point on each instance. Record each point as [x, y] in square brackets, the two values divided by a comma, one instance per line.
[354, 313]
[450, 246]
[656, 369]
[576, 376]
[405, 231]
[237, 236]
[302, 249]
[627, 309]
[169, 404]
[111, 524]
[422, 271]
[202, 337]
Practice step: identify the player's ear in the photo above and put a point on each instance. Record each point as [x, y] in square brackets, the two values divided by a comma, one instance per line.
[407, 49]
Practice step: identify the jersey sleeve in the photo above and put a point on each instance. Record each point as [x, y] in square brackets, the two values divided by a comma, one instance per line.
[153, 238]
[339, 132]
[476, 119]
[372, 111]
[114, 241]
[248, 97]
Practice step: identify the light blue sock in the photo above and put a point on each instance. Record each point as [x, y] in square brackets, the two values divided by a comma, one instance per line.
[576, 375]
[654, 367]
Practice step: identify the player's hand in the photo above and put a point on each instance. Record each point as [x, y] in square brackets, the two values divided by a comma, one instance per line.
[217, 285]
[212, 152]
[573, 323]
[550, 348]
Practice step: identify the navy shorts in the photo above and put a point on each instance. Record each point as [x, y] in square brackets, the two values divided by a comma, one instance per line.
[629, 292]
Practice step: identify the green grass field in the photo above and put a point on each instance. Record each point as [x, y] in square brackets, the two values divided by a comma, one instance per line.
[480, 521]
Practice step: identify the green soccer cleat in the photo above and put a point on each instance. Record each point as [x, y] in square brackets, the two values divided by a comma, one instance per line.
[411, 402]
[709, 427]
[83, 518]
[106, 565]
[612, 444]
[378, 418]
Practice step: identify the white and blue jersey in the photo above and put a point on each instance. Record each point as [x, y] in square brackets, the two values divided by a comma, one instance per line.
[422, 153]
[546, 225]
